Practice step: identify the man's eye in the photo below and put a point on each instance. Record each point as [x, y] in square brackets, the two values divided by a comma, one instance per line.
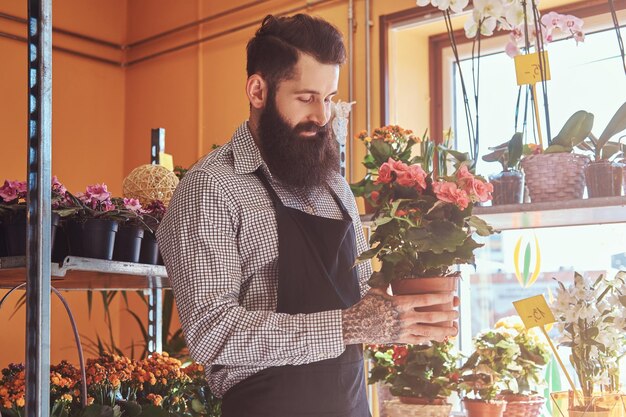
[306, 99]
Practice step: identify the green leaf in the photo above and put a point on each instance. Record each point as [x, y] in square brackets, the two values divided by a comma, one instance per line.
[615, 126]
[575, 130]
[515, 148]
[557, 149]
[381, 151]
[153, 411]
[445, 236]
[378, 280]
[96, 410]
[482, 227]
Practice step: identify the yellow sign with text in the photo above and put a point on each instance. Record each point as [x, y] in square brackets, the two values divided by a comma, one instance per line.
[534, 311]
[528, 68]
[166, 160]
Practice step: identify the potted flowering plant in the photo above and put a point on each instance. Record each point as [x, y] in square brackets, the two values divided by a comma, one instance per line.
[92, 228]
[423, 375]
[590, 320]
[508, 185]
[523, 380]
[153, 215]
[130, 231]
[484, 372]
[13, 215]
[423, 223]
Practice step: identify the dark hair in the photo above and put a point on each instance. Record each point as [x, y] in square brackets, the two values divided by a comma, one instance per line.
[274, 49]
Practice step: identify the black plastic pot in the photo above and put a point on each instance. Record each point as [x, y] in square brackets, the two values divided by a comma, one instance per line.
[93, 238]
[60, 248]
[14, 232]
[150, 250]
[508, 187]
[3, 243]
[128, 243]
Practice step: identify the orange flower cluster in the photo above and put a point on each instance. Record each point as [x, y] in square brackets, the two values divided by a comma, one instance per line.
[389, 134]
[159, 369]
[109, 370]
[12, 387]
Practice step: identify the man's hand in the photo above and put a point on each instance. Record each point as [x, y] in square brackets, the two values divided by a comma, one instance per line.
[380, 318]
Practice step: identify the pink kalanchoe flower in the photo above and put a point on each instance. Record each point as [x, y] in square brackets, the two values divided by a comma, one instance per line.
[450, 193]
[479, 190]
[98, 191]
[413, 176]
[133, 205]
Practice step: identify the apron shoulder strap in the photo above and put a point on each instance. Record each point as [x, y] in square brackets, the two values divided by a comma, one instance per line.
[275, 199]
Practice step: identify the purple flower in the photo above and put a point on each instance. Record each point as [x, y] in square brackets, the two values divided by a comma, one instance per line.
[98, 192]
[13, 190]
[57, 187]
[132, 204]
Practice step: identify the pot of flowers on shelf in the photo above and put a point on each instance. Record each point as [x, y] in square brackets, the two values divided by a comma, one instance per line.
[508, 185]
[419, 377]
[523, 379]
[568, 182]
[153, 214]
[603, 175]
[423, 225]
[130, 231]
[591, 323]
[13, 215]
[92, 228]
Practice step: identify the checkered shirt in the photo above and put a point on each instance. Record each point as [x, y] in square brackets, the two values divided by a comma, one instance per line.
[219, 241]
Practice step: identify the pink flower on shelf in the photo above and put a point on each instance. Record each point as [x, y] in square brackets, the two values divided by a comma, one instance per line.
[98, 192]
[13, 190]
[106, 205]
[480, 190]
[57, 187]
[384, 174]
[133, 205]
[451, 193]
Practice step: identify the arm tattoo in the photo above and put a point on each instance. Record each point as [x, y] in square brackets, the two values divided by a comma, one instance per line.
[374, 319]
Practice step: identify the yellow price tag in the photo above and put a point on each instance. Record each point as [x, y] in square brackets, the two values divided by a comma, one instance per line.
[528, 68]
[534, 311]
[166, 160]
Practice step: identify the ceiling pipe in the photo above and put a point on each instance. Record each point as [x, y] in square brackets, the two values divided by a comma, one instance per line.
[350, 138]
[368, 75]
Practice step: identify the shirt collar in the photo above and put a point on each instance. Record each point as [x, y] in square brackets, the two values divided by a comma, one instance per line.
[246, 154]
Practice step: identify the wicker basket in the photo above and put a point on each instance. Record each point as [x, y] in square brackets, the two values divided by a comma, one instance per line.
[555, 176]
[395, 408]
[523, 407]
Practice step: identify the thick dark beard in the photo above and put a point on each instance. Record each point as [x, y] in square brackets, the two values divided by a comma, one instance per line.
[291, 158]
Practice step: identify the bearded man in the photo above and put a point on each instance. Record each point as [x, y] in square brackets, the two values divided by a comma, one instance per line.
[260, 242]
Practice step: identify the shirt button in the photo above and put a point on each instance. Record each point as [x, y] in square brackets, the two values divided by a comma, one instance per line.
[309, 210]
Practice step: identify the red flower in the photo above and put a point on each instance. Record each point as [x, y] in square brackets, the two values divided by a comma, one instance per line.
[384, 174]
[374, 196]
[400, 354]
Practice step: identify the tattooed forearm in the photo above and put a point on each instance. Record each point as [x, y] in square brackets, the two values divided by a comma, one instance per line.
[374, 319]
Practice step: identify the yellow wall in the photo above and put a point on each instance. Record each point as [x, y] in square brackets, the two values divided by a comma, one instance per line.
[102, 114]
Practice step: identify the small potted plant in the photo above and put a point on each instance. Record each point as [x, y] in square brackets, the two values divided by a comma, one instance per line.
[508, 185]
[130, 231]
[568, 182]
[424, 223]
[524, 377]
[590, 319]
[421, 377]
[603, 175]
[91, 229]
[153, 215]
[484, 373]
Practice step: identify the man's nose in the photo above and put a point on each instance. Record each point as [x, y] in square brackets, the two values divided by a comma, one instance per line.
[320, 114]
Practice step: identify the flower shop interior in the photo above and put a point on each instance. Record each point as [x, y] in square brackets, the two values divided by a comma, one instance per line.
[543, 294]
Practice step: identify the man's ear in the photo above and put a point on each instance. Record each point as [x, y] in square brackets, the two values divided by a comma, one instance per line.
[256, 89]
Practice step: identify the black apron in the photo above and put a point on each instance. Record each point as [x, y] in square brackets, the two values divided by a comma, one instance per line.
[315, 262]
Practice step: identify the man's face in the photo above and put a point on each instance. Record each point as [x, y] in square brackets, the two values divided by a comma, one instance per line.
[295, 136]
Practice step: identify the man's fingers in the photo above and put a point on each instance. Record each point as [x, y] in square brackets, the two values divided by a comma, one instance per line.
[437, 333]
[408, 302]
[431, 316]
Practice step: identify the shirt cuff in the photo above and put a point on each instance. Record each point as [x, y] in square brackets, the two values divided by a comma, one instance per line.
[325, 334]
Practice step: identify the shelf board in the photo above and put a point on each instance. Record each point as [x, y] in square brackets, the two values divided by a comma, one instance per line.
[76, 273]
[582, 212]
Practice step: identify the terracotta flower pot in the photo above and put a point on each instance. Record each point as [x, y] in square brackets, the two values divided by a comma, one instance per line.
[429, 285]
[478, 408]
[604, 179]
[508, 187]
[522, 405]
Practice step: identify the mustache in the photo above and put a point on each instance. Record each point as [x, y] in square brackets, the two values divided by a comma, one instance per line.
[311, 127]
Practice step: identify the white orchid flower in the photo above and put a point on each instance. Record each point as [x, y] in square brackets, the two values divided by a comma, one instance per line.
[423, 3]
[493, 8]
[457, 6]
